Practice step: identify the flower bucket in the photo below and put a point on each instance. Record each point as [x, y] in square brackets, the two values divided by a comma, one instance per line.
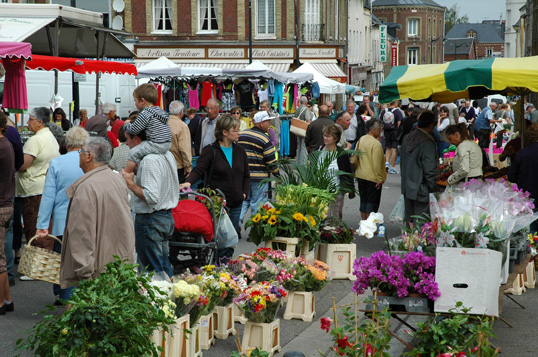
[301, 306]
[340, 258]
[287, 245]
[266, 315]
[223, 319]
[265, 336]
[207, 329]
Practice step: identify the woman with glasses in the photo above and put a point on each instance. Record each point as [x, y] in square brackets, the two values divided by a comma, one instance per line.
[227, 163]
[246, 122]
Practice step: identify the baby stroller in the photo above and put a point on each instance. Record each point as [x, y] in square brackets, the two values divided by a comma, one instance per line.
[194, 243]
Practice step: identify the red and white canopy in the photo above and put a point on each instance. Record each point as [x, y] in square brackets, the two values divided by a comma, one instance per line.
[80, 65]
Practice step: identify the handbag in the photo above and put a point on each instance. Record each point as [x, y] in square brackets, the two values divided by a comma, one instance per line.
[40, 263]
[398, 213]
[298, 127]
[226, 233]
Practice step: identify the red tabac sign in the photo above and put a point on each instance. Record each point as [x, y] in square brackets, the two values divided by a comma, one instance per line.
[394, 54]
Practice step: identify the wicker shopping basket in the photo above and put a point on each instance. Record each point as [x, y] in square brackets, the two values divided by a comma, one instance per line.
[39, 263]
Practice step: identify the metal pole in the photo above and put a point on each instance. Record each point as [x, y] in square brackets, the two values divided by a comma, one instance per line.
[56, 53]
[297, 60]
[97, 78]
[250, 31]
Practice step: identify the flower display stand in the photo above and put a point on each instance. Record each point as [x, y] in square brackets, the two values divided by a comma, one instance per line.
[238, 314]
[224, 321]
[518, 286]
[193, 343]
[265, 336]
[174, 342]
[301, 305]
[207, 333]
[309, 255]
[286, 245]
[408, 304]
[340, 258]
[529, 276]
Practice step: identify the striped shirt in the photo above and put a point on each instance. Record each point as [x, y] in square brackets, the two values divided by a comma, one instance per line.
[154, 121]
[260, 153]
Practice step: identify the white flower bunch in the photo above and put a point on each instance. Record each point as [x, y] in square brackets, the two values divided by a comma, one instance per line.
[164, 286]
[368, 227]
[187, 291]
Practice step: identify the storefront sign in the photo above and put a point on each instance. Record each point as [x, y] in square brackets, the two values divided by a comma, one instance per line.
[272, 53]
[187, 53]
[226, 53]
[383, 43]
[317, 52]
[394, 54]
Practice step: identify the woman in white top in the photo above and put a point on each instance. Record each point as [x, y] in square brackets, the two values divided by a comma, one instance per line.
[467, 162]
[443, 121]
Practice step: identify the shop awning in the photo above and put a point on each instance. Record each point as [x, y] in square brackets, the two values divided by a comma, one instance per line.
[79, 65]
[15, 49]
[329, 70]
[273, 66]
[80, 33]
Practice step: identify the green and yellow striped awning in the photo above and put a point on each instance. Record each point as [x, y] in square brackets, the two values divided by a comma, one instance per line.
[461, 79]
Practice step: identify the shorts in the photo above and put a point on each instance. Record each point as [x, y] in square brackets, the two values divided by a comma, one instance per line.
[370, 196]
[391, 138]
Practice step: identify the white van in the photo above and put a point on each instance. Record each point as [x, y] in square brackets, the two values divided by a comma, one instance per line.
[114, 88]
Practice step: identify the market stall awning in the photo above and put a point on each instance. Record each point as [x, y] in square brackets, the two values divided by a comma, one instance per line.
[80, 33]
[329, 70]
[326, 85]
[80, 65]
[461, 79]
[15, 49]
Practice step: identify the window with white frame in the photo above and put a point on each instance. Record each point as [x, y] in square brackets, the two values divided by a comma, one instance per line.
[208, 16]
[412, 27]
[265, 18]
[162, 16]
[412, 55]
[312, 26]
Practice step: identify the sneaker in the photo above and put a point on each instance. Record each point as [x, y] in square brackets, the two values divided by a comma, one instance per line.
[393, 171]
[26, 278]
[387, 166]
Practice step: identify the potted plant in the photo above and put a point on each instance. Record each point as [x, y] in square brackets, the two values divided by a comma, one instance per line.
[114, 314]
[398, 278]
[336, 248]
[460, 334]
[369, 337]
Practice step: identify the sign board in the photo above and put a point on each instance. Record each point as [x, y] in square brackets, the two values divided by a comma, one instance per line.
[226, 53]
[383, 43]
[317, 52]
[170, 52]
[272, 53]
[78, 77]
[394, 54]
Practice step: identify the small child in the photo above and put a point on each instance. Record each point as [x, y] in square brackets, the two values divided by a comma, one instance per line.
[151, 119]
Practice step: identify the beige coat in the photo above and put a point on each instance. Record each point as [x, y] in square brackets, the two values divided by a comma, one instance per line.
[467, 162]
[370, 165]
[98, 226]
[181, 143]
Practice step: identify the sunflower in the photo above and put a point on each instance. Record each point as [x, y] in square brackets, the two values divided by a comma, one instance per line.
[271, 211]
[256, 218]
[298, 216]
[312, 220]
[272, 220]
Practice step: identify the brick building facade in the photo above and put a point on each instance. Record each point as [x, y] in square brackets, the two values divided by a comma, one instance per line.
[421, 32]
[488, 38]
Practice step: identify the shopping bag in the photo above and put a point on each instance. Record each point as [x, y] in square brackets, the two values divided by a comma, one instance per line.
[298, 127]
[226, 233]
[398, 213]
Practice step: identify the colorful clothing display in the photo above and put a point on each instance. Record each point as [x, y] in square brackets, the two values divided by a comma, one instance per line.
[208, 92]
[194, 99]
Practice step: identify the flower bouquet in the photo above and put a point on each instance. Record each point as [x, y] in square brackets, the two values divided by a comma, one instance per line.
[368, 227]
[306, 276]
[395, 276]
[253, 268]
[305, 196]
[218, 200]
[233, 285]
[185, 297]
[285, 220]
[420, 238]
[260, 302]
[335, 231]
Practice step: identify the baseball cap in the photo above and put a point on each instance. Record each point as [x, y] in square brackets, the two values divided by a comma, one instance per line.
[261, 116]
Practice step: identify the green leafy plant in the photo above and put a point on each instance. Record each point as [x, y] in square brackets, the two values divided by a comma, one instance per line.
[458, 333]
[113, 314]
[335, 231]
[256, 352]
[370, 337]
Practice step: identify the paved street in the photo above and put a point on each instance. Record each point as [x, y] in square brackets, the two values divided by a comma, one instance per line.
[31, 297]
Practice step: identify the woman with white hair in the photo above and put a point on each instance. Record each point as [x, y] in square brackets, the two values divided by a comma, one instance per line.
[63, 172]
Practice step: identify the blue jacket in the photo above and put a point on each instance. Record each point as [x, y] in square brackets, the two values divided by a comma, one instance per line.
[63, 171]
[482, 121]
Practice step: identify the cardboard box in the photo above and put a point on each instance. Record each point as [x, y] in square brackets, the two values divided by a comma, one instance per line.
[471, 276]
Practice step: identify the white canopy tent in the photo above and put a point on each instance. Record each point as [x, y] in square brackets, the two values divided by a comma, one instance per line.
[326, 85]
[162, 66]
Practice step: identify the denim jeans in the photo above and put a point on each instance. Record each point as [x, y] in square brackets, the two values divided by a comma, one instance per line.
[152, 232]
[257, 194]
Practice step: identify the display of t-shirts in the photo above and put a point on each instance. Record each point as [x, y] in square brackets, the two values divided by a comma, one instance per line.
[296, 96]
[263, 94]
[15, 94]
[208, 92]
[277, 98]
[271, 88]
[244, 90]
[194, 99]
[228, 100]
[315, 90]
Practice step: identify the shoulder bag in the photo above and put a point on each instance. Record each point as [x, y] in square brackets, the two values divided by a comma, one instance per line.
[298, 126]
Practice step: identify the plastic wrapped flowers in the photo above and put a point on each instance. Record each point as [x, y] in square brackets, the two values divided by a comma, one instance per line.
[185, 296]
[260, 302]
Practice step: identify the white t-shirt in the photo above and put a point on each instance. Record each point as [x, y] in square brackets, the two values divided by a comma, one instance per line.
[351, 132]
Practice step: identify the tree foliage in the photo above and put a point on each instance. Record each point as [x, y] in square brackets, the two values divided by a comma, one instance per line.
[452, 17]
